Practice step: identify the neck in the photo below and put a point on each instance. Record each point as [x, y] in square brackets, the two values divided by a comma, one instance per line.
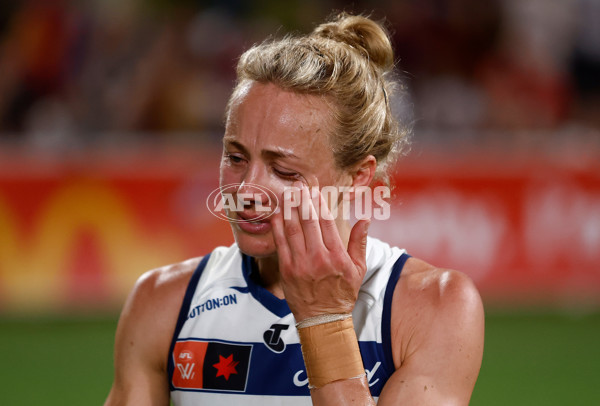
[270, 279]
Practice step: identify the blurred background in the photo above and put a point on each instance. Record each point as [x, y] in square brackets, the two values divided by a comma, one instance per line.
[111, 114]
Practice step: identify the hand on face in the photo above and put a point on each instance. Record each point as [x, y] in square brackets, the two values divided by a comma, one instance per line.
[319, 274]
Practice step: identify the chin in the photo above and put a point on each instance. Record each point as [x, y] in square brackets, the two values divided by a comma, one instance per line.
[257, 246]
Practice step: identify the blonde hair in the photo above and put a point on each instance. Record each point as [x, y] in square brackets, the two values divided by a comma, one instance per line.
[349, 60]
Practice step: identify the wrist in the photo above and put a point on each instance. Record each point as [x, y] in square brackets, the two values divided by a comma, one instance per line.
[322, 319]
[330, 349]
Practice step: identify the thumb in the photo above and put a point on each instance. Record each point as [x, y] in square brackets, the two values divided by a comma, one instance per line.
[357, 244]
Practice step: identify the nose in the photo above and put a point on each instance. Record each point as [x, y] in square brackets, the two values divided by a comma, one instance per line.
[253, 192]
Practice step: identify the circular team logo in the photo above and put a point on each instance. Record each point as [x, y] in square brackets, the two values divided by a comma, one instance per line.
[226, 200]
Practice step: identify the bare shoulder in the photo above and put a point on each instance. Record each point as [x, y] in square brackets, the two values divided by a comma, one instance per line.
[162, 285]
[436, 287]
[144, 335]
[149, 316]
[437, 337]
[429, 301]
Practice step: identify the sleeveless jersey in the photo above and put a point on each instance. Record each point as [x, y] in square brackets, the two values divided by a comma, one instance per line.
[235, 343]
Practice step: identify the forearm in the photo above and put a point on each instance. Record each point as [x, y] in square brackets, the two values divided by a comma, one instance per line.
[344, 392]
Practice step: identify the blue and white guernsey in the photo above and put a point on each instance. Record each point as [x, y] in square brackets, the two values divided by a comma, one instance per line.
[235, 343]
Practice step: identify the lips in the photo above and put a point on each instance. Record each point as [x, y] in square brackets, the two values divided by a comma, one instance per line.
[252, 217]
[253, 223]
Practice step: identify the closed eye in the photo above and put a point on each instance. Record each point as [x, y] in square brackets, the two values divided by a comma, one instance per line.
[286, 174]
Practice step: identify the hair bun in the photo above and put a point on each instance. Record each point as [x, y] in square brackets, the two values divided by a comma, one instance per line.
[362, 33]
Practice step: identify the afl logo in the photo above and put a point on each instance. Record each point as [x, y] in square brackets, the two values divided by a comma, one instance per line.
[185, 356]
[226, 200]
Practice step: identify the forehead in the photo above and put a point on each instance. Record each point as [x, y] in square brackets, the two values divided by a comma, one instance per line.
[266, 110]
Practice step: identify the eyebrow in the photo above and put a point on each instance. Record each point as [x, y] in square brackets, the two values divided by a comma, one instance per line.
[229, 142]
[277, 153]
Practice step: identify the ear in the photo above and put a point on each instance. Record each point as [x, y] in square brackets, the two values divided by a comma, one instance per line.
[364, 171]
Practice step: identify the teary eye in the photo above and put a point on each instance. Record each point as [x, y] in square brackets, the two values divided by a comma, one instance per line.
[286, 174]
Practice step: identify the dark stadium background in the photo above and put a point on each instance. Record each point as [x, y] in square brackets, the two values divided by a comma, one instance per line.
[110, 126]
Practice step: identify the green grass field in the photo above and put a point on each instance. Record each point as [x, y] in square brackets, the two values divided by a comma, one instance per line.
[530, 359]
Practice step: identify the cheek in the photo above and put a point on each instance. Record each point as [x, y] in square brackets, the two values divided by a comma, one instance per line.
[227, 175]
[275, 189]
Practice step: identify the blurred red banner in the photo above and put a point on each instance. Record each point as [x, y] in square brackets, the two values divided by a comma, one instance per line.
[78, 230]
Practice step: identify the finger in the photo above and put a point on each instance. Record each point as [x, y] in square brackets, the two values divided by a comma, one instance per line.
[291, 223]
[357, 244]
[329, 231]
[309, 219]
[283, 249]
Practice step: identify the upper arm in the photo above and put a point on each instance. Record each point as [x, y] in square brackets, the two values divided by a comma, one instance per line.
[438, 341]
[143, 338]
